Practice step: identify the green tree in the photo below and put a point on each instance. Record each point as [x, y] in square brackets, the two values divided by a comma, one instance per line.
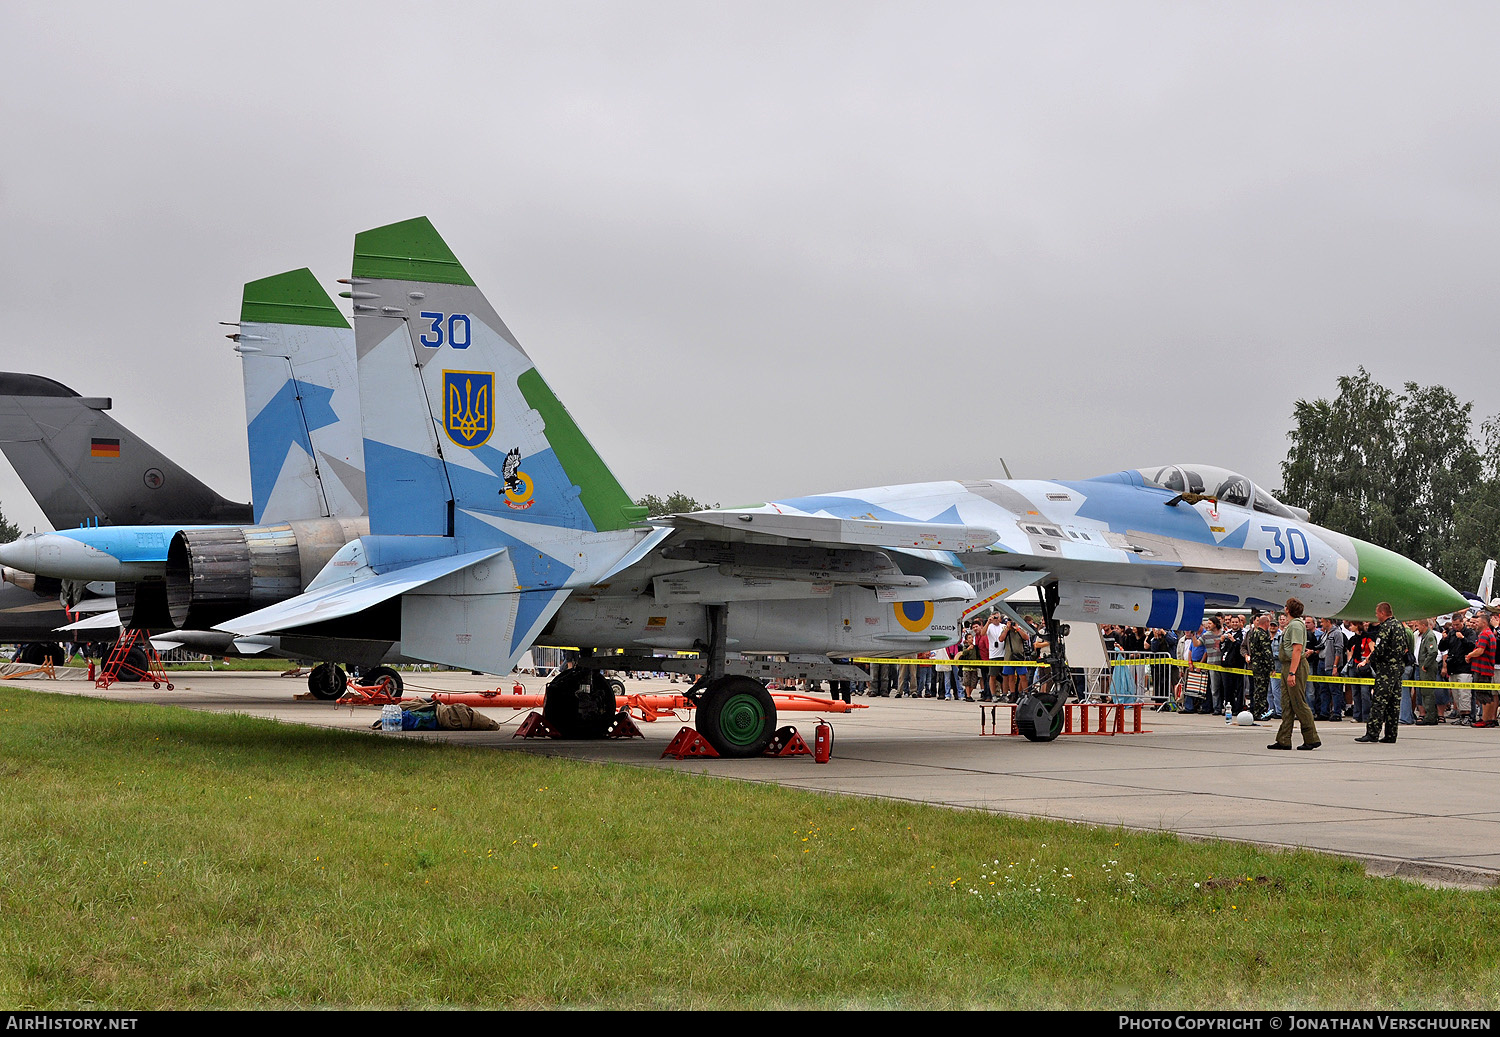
[1342, 466]
[1476, 517]
[8, 530]
[1439, 465]
[1397, 469]
[676, 504]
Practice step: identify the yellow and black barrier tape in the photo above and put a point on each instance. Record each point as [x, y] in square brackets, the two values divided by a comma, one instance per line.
[1165, 660]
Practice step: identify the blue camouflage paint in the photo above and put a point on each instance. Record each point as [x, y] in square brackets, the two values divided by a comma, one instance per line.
[554, 501]
[386, 554]
[408, 491]
[539, 574]
[1176, 610]
[128, 543]
[1192, 611]
[1123, 506]
[1164, 607]
[846, 508]
[534, 568]
[530, 605]
[280, 424]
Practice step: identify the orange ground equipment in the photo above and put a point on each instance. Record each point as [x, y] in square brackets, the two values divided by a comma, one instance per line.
[1079, 718]
[382, 692]
[787, 742]
[645, 707]
[534, 726]
[133, 648]
[689, 743]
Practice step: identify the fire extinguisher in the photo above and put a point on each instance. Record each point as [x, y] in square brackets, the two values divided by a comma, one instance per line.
[822, 742]
[91, 669]
[518, 689]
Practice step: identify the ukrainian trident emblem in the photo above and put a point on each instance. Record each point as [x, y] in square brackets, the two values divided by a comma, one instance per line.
[468, 398]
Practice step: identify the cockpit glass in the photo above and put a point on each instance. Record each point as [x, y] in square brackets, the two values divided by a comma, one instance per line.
[1268, 505]
[1235, 490]
[1220, 483]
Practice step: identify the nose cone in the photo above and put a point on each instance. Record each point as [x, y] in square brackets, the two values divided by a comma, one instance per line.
[59, 556]
[1413, 592]
[20, 554]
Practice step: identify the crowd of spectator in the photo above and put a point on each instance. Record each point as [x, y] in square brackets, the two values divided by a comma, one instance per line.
[1458, 649]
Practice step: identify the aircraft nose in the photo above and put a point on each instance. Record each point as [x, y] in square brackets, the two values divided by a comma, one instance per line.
[1413, 591]
[19, 554]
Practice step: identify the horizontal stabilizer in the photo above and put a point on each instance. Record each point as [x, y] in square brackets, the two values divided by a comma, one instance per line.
[345, 599]
[925, 536]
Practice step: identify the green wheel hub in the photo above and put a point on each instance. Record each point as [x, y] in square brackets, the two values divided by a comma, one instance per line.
[742, 720]
[737, 716]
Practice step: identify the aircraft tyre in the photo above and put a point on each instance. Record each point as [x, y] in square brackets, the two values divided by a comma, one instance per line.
[133, 668]
[737, 716]
[384, 673]
[38, 652]
[579, 703]
[328, 681]
[1034, 718]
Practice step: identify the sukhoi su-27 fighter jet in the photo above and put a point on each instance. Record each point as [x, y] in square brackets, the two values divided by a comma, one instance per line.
[495, 525]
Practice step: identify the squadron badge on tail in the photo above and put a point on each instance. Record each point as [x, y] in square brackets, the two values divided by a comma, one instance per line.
[518, 485]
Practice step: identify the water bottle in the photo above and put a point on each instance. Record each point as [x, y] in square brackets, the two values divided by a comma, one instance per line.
[1228, 712]
[390, 717]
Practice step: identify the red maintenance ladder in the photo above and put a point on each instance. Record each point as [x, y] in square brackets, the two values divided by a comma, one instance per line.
[118, 662]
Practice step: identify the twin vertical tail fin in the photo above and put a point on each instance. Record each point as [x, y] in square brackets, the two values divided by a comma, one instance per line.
[488, 506]
[302, 401]
[463, 437]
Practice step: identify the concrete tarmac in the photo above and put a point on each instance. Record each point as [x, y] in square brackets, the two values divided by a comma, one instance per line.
[1420, 809]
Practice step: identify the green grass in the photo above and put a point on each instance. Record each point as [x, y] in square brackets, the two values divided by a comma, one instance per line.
[160, 858]
[235, 663]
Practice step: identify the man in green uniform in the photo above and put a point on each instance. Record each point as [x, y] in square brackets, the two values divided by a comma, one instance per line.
[1427, 669]
[1262, 661]
[1295, 670]
[1387, 659]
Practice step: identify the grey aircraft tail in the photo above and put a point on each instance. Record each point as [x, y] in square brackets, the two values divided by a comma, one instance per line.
[83, 467]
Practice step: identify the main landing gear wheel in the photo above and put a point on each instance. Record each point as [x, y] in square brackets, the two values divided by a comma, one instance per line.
[328, 681]
[579, 703]
[38, 652]
[133, 666]
[1035, 719]
[385, 674]
[737, 716]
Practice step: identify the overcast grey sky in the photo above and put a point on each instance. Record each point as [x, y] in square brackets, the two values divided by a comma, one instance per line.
[765, 249]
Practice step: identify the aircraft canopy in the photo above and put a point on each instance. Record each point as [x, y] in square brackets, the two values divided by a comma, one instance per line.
[1212, 481]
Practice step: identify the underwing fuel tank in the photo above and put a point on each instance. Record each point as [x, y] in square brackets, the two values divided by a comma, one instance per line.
[1129, 606]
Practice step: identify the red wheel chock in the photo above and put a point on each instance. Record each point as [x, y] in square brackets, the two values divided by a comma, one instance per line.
[624, 727]
[787, 742]
[688, 742]
[534, 727]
